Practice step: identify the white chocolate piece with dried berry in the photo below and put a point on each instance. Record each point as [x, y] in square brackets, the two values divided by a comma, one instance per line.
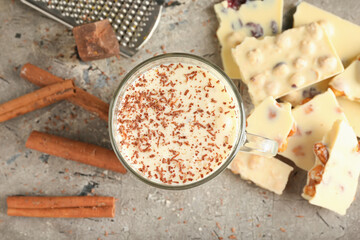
[272, 120]
[294, 59]
[269, 173]
[332, 182]
[347, 83]
[352, 113]
[313, 119]
[302, 95]
[344, 35]
[253, 18]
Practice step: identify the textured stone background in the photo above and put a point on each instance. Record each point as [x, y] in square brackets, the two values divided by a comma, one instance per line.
[206, 212]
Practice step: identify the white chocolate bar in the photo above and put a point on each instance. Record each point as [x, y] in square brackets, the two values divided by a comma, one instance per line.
[337, 187]
[352, 113]
[344, 35]
[348, 82]
[313, 120]
[269, 173]
[253, 18]
[294, 59]
[272, 120]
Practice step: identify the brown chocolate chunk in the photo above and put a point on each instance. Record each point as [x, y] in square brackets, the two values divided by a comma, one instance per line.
[96, 40]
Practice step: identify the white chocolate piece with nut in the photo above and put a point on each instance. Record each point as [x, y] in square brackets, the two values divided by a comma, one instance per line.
[269, 173]
[344, 35]
[272, 120]
[352, 113]
[313, 120]
[253, 18]
[294, 59]
[348, 82]
[332, 182]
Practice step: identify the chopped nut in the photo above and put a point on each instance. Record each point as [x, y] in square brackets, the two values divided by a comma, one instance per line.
[283, 146]
[309, 190]
[300, 63]
[292, 130]
[283, 41]
[315, 174]
[315, 30]
[337, 93]
[255, 56]
[281, 69]
[327, 62]
[321, 152]
[259, 79]
[307, 47]
[297, 79]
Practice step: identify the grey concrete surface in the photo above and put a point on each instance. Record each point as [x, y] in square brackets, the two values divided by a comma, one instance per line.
[223, 207]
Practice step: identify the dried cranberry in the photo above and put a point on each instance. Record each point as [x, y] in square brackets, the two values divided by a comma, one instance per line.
[256, 29]
[274, 27]
[235, 4]
[278, 64]
[310, 93]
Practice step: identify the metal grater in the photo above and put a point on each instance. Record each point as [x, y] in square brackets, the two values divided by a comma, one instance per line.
[134, 21]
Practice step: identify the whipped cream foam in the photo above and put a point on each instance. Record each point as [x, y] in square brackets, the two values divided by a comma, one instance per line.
[176, 123]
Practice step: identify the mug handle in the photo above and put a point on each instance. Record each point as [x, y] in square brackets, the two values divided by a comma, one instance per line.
[259, 145]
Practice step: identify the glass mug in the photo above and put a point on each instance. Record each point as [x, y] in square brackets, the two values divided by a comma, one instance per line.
[245, 142]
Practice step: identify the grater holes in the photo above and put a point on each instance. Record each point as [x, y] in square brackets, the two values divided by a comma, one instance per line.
[129, 34]
[126, 22]
[126, 39]
[123, 27]
[118, 21]
[132, 20]
[121, 33]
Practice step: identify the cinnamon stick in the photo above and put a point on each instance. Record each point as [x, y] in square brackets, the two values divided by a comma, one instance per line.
[74, 150]
[59, 202]
[88, 212]
[37, 99]
[82, 98]
[61, 207]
